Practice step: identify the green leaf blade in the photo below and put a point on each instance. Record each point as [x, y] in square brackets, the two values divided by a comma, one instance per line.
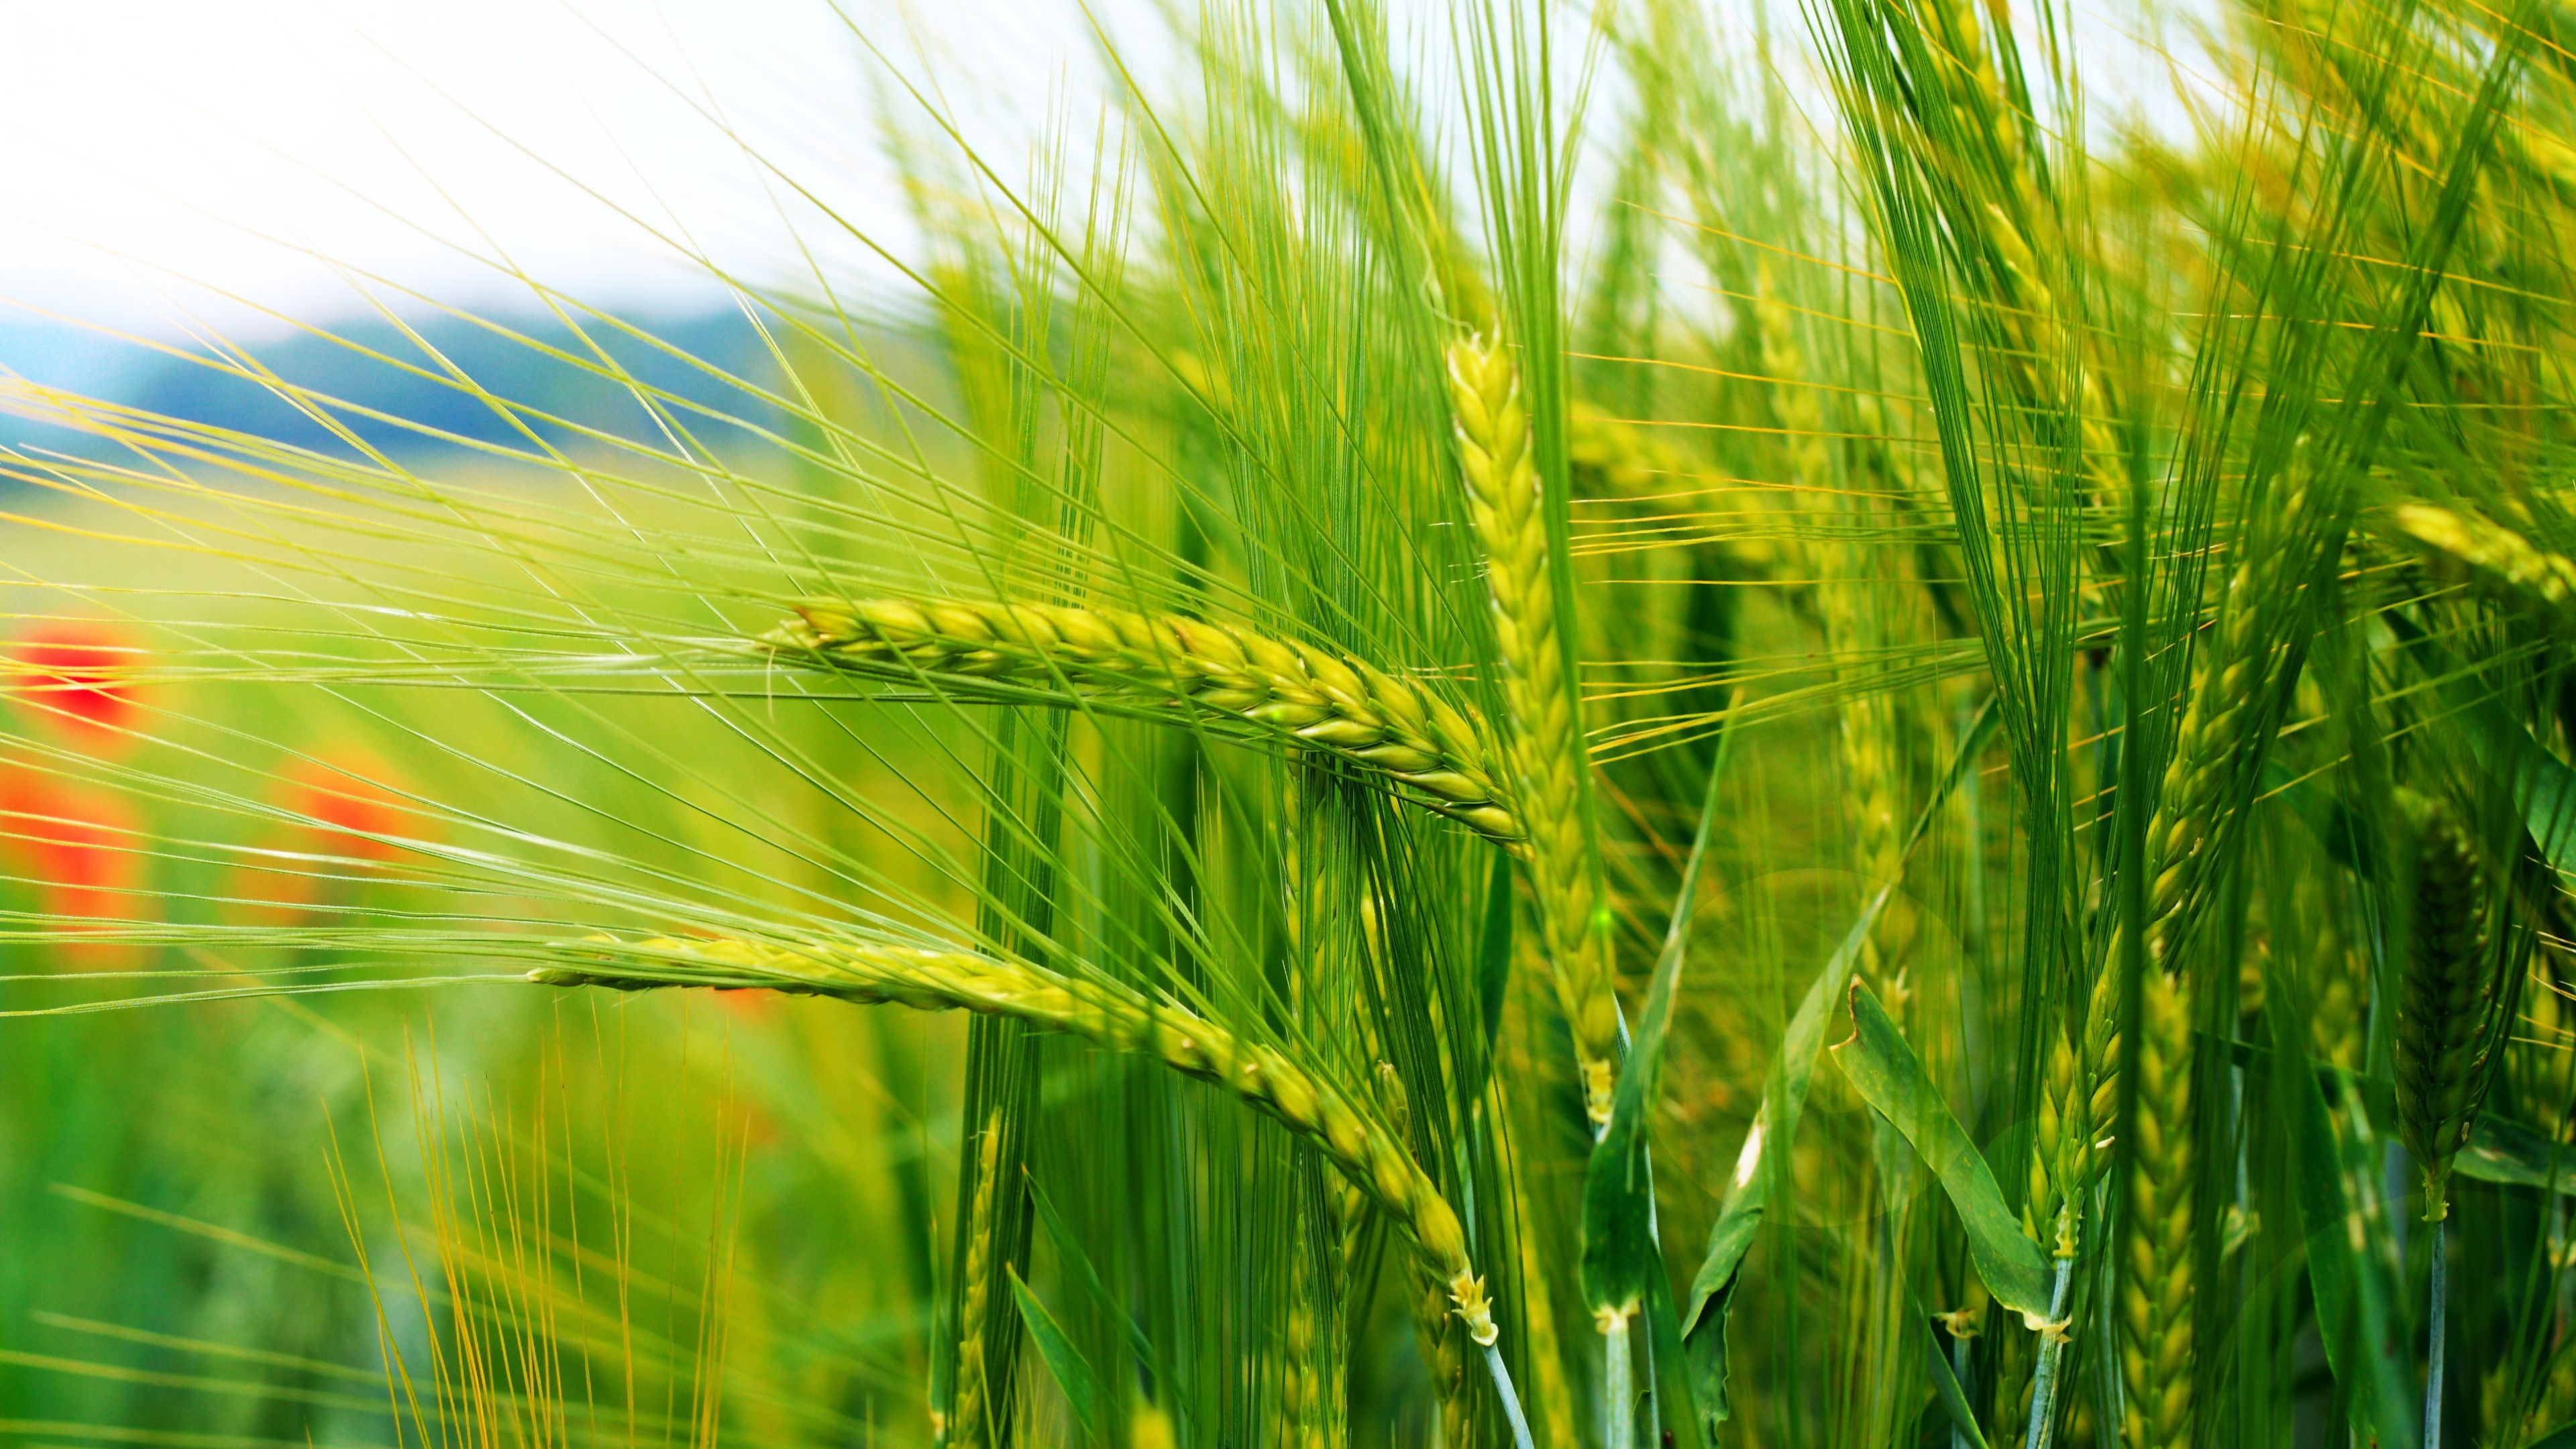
[1072, 1372]
[1891, 1079]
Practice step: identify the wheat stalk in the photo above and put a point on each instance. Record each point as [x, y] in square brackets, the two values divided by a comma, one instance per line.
[1331, 704]
[1373, 1159]
[1492, 423]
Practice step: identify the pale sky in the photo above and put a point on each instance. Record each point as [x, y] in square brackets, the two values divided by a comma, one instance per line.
[153, 152]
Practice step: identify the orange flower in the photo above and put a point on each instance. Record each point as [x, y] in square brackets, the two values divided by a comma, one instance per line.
[347, 814]
[752, 1003]
[79, 847]
[349, 809]
[79, 675]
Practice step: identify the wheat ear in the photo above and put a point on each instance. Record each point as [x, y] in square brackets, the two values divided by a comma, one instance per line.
[1612, 458]
[2495, 559]
[2446, 996]
[2004, 185]
[1115, 1017]
[1871, 721]
[2155, 1304]
[1547, 754]
[1444, 1352]
[2236, 679]
[1321, 701]
[1310, 1361]
[966, 1426]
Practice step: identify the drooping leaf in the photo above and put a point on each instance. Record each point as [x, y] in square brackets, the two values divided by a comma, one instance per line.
[1766, 1145]
[1946, 1388]
[1071, 1371]
[1619, 1252]
[1775, 1123]
[2504, 1151]
[2353, 1294]
[2545, 790]
[1891, 1079]
[1676, 1396]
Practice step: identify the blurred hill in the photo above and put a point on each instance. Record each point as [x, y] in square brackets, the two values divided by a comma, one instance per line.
[442, 379]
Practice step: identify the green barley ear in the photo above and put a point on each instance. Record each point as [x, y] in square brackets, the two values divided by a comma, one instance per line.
[2493, 559]
[966, 1426]
[2155, 1306]
[1109, 1014]
[2447, 995]
[1219, 674]
[1547, 753]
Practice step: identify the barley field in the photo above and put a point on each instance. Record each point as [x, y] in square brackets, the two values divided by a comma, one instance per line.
[1648, 725]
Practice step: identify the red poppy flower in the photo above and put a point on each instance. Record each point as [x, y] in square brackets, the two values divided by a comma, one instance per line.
[349, 809]
[343, 813]
[79, 674]
[80, 848]
[752, 1003]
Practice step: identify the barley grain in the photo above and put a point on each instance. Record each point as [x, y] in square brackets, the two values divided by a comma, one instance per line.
[2237, 678]
[2496, 560]
[1332, 704]
[1365, 1152]
[967, 1428]
[1492, 424]
[2446, 996]
[2155, 1305]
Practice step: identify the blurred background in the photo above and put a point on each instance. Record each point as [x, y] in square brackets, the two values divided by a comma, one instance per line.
[214, 1217]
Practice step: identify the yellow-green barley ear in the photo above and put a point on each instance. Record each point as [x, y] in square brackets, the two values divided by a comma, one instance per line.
[2492, 559]
[1307, 1102]
[1505, 504]
[2447, 992]
[2156, 1308]
[1312, 1391]
[1330, 704]
[967, 1425]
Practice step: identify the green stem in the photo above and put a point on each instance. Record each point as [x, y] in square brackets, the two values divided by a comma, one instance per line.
[1618, 1396]
[1511, 1400]
[2436, 1311]
[2044, 1382]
